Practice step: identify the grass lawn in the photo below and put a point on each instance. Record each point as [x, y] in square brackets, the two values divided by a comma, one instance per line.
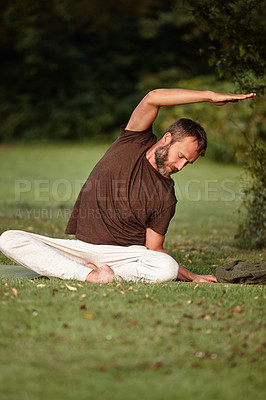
[67, 339]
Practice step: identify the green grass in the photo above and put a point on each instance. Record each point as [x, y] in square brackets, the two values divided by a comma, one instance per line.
[156, 341]
[134, 341]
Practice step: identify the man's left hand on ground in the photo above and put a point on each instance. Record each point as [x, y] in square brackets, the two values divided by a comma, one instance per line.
[205, 278]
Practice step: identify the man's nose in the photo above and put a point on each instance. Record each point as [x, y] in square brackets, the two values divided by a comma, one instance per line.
[180, 164]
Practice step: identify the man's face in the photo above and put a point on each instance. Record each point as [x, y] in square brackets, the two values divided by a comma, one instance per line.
[171, 158]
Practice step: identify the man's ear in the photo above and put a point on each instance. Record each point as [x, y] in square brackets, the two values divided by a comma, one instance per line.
[167, 137]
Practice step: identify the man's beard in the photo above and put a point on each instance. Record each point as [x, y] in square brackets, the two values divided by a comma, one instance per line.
[161, 159]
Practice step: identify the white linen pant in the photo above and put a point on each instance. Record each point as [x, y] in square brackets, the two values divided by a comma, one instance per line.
[66, 258]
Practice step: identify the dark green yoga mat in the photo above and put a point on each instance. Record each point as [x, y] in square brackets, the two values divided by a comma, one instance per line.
[16, 271]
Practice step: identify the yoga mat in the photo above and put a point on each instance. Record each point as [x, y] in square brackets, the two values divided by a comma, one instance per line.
[16, 271]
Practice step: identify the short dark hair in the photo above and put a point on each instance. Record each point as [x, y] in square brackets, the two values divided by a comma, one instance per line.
[185, 127]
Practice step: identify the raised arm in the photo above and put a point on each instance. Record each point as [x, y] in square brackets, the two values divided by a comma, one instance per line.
[146, 112]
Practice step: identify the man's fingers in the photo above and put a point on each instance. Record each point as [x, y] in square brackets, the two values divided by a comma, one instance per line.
[221, 99]
[205, 278]
[251, 94]
[241, 96]
[210, 278]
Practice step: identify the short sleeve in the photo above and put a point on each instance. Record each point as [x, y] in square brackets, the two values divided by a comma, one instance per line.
[159, 222]
[142, 137]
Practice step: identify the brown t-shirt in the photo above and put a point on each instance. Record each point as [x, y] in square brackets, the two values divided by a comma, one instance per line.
[123, 195]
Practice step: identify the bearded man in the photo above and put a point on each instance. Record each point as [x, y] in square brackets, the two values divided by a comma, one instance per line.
[124, 208]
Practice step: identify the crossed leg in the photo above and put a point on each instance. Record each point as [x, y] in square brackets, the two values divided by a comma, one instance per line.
[75, 259]
[62, 258]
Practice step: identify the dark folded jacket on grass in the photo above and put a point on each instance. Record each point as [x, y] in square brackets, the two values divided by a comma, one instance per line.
[247, 272]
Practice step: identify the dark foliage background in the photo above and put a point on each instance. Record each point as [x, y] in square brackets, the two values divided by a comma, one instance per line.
[73, 69]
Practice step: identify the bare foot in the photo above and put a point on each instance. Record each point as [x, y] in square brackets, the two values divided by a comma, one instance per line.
[103, 274]
[91, 266]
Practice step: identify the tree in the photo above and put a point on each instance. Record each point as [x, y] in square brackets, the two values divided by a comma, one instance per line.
[72, 68]
[237, 30]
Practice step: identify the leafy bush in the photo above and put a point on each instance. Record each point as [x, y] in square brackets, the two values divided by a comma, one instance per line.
[252, 229]
[239, 53]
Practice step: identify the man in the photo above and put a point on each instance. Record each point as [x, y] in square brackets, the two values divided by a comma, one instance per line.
[123, 210]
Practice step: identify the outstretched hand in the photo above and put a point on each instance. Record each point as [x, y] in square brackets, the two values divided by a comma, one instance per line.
[205, 278]
[220, 99]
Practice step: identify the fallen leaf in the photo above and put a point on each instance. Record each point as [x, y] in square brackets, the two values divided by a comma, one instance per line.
[88, 315]
[200, 354]
[200, 303]
[41, 285]
[71, 287]
[157, 364]
[147, 296]
[157, 323]
[79, 285]
[195, 287]
[207, 317]
[195, 365]
[118, 315]
[238, 309]
[15, 292]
